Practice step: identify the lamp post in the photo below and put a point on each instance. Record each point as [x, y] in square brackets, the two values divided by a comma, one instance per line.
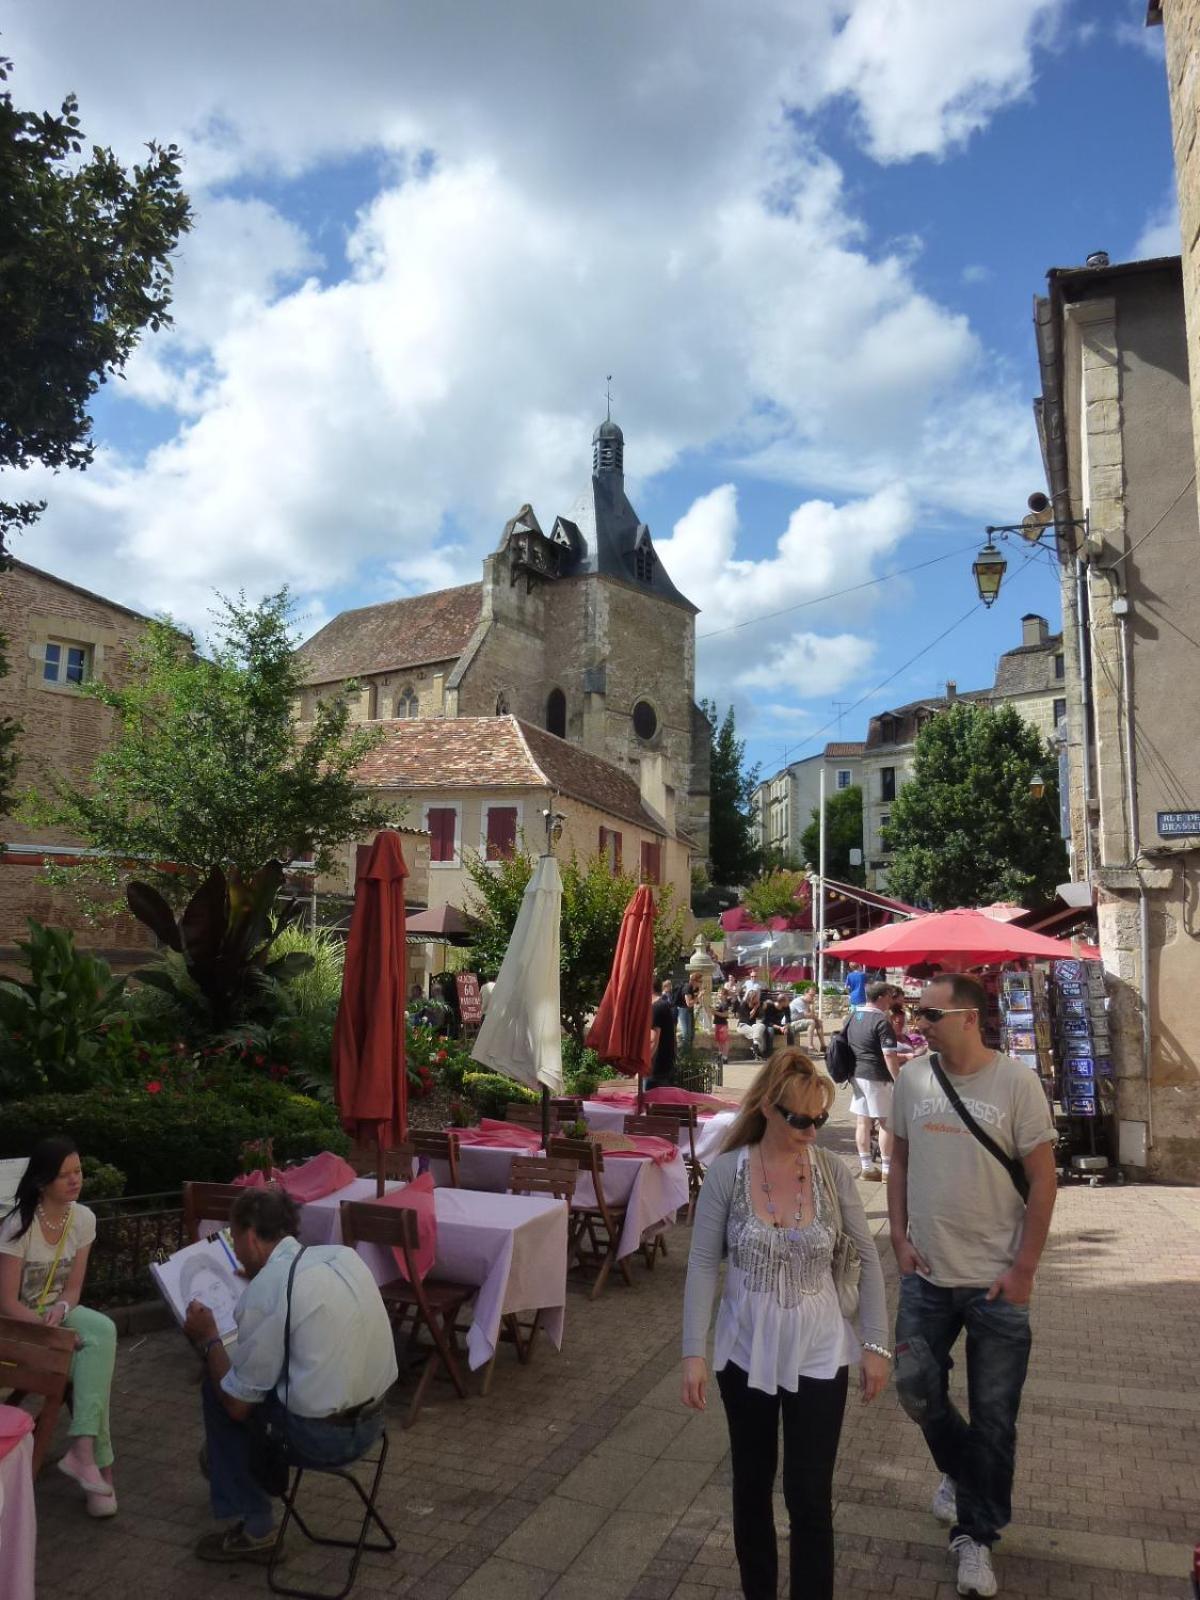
[989, 567]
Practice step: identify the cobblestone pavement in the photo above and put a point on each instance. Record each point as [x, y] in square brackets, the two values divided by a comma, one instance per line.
[581, 1475]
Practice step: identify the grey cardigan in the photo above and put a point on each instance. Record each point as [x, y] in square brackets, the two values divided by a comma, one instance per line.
[708, 1250]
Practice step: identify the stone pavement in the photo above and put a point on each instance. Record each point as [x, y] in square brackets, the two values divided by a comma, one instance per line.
[581, 1475]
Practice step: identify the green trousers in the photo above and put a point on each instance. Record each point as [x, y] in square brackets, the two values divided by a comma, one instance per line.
[91, 1378]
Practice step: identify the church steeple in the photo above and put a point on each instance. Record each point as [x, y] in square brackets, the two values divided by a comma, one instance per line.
[608, 449]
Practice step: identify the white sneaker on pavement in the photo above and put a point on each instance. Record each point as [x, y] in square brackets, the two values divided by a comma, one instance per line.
[944, 1504]
[975, 1575]
[871, 1174]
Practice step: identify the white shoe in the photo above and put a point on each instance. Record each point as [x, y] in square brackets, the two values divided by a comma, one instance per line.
[871, 1174]
[102, 1505]
[944, 1504]
[975, 1575]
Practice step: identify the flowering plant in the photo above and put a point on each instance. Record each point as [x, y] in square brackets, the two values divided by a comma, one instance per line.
[257, 1155]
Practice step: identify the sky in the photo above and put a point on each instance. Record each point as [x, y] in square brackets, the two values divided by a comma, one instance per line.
[804, 237]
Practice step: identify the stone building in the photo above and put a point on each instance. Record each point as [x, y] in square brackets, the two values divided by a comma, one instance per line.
[1115, 418]
[783, 806]
[578, 631]
[59, 637]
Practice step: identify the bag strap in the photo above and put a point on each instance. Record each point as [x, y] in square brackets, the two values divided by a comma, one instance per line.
[62, 1239]
[285, 1371]
[1010, 1164]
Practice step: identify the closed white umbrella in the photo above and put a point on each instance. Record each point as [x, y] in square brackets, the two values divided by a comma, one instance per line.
[521, 1035]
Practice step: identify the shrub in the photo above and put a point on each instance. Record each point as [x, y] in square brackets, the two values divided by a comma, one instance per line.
[101, 1181]
[583, 1069]
[160, 1137]
[490, 1093]
[52, 1025]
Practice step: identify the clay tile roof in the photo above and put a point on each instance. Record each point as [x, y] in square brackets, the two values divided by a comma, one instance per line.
[394, 635]
[498, 753]
[846, 748]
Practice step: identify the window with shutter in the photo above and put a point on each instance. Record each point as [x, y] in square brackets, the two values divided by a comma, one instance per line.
[610, 848]
[442, 824]
[651, 861]
[501, 832]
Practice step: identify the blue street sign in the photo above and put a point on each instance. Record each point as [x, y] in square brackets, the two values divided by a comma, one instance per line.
[1178, 824]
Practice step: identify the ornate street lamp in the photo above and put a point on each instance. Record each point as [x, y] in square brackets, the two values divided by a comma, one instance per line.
[989, 567]
[1037, 786]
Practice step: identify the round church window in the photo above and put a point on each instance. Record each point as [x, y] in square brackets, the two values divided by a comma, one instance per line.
[645, 720]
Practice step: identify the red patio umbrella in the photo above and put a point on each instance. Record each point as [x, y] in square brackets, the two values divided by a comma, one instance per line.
[370, 1081]
[620, 1034]
[959, 938]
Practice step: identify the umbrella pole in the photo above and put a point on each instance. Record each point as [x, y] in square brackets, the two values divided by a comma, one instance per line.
[545, 1116]
[380, 1168]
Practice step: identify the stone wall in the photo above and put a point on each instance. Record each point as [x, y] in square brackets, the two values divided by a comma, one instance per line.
[1181, 21]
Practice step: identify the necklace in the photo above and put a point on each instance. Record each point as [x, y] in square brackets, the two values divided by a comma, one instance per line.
[801, 1178]
[53, 1227]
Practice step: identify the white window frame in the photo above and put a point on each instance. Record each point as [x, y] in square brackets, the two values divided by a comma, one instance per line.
[498, 805]
[445, 805]
[846, 774]
[64, 646]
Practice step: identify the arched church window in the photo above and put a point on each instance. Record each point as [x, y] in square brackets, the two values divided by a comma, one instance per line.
[556, 713]
[406, 702]
[645, 720]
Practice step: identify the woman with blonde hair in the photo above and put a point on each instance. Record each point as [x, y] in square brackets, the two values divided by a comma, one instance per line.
[786, 1215]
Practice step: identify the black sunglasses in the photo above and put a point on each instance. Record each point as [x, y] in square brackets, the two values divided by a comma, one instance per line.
[936, 1013]
[798, 1119]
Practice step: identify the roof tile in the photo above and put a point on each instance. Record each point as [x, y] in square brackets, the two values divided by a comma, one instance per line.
[394, 635]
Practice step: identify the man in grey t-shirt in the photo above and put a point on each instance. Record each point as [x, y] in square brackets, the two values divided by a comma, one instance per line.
[870, 1035]
[967, 1247]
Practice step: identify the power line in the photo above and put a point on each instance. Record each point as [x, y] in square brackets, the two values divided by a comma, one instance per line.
[819, 600]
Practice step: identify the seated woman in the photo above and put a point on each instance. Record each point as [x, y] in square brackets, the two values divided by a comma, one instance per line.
[775, 1205]
[45, 1242]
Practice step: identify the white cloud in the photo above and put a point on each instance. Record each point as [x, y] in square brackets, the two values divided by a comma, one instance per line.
[976, 272]
[1160, 236]
[566, 191]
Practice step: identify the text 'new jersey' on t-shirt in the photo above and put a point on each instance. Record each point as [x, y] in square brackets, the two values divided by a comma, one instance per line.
[964, 1214]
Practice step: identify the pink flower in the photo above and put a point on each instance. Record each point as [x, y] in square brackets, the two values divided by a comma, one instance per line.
[154, 1087]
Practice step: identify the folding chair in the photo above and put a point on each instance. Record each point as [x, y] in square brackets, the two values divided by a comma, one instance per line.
[397, 1162]
[207, 1202]
[687, 1117]
[533, 1175]
[370, 1515]
[526, 1116]
[438, 1147]
[434, 1304]
[596, 1228]
[568, 1106]
[36, 1359]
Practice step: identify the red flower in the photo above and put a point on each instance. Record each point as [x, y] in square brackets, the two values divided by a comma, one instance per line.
[441, 1056]
[258, 1061]
[154, 1087]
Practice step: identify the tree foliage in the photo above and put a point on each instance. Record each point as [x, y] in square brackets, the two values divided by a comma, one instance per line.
[781, 893]
[86, 248]
[593, 903]
[732, 850]
[843, 833]
[10, 731]
[965, 831]
[208, 768]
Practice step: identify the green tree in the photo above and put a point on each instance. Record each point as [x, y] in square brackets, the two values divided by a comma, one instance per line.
[732, 850]
[966, 830]
[208, 767]
[780, 893]
[86, 248]
[843, 833]
[593, 904]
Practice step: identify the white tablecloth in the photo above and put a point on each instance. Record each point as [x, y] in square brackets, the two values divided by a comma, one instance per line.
[710, 1135]
[18, 1522]
[514, 1247]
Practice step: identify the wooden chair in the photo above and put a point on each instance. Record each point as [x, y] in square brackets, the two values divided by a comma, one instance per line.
[525, 1116]
[653, 1126]
[207, 1202]
[595, 1234]
[687, 1117]
[540, 1175]
[433, 1304]
[397, 1162]
[568, 1106]
[36, 1359]
[438, 1147]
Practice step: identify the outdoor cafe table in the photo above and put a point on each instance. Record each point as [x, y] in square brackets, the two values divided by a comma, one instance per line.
[603, 1117]
[18, 1520]
[651, 1192]
[514, 1247]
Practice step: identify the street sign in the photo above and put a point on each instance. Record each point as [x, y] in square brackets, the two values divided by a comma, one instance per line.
[1178, 824]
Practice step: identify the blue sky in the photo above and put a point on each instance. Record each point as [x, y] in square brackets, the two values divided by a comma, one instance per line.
[805, 237]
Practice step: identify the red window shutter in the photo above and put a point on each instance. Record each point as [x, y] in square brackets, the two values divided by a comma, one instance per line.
[441, 821]
[616, 850]
[501, 832]
[610, 848]
[651, 862]
[604, 843]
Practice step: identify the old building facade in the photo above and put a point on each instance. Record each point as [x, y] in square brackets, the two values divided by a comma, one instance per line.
[1115, 416]
[783, 806]
[578, 631]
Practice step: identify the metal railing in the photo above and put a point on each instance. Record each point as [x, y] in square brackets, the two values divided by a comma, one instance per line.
[131, 1232]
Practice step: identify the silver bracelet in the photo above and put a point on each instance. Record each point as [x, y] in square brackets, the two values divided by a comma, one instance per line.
[877, 1349]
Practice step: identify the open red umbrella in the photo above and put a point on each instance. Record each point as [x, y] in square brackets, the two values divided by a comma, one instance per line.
[620, 1034]
[961, 938]
[370, 1081]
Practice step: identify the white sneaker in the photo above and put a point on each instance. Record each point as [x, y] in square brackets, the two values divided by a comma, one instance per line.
[871, 1174]
[944, 1504]
[975, 1575]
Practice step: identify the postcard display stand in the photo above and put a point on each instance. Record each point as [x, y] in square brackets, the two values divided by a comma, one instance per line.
[1085, 1084]
[1025, 1030]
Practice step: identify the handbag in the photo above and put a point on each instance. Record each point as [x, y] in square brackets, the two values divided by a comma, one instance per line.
[846, 1263]
[1010, 1164]
[270, 1463]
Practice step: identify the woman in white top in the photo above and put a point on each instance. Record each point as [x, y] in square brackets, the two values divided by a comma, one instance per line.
[770, 1204]
[45, 1242]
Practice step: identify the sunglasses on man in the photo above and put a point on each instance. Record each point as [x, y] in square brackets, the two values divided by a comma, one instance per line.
[936, 1013]
[798, 1119]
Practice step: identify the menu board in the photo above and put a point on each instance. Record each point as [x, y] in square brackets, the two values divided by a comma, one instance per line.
[470, 1002]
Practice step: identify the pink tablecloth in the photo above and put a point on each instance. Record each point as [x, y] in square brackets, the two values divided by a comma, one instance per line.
[18, 1522]
[602, 1116]
[513, 1246]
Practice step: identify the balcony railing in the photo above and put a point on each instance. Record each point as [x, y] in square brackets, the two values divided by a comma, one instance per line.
[131, 1232]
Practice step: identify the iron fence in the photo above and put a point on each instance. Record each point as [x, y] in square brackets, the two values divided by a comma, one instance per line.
[131, 1232]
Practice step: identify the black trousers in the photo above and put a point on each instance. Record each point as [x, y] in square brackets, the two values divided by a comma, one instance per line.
[812, 1427]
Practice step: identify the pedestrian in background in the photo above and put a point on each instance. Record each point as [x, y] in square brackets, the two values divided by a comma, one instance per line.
[876, 1063]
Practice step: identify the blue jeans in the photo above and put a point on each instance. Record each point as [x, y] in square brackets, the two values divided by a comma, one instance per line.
[314, 1442]
[978, 1454]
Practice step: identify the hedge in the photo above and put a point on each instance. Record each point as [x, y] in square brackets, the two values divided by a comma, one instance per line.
[160, 1140]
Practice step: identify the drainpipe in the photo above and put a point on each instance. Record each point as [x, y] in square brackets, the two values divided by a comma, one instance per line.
[1121, 608]
[1085, 709]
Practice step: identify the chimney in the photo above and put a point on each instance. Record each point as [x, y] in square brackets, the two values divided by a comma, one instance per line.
[951, 689]
[1034, 629]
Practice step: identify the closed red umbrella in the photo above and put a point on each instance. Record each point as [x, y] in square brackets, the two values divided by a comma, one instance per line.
[961, 938]
[620, 1035]
[370, 1082]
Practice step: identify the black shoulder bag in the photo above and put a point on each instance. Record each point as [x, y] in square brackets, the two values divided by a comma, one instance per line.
[1010, 1163]
[270, 1465]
